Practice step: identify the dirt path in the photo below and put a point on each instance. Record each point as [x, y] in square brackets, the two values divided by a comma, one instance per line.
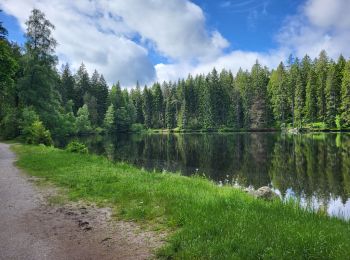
[32, 229]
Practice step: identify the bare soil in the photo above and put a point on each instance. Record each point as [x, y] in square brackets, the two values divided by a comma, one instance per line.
[33, 228]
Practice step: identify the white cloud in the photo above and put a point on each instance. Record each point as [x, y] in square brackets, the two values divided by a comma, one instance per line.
[231, 61]
[320, 24]
[116, 36]
[102, 33]
[177, 28]
[86, 33]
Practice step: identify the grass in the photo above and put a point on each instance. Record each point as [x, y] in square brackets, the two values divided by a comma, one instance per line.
[206, 221]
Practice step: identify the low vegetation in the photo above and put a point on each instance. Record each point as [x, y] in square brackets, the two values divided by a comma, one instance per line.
[204, 221]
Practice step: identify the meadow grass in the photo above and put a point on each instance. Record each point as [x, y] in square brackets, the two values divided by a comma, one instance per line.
[204, 221]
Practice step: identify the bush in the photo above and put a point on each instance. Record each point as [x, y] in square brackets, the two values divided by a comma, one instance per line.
[37, 134]
[9, 125]
[77, 147]
[137, 128]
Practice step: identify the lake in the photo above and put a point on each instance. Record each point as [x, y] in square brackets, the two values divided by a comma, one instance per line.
[313, 168]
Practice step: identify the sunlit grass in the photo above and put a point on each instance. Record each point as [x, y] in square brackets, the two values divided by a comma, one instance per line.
[206, 221]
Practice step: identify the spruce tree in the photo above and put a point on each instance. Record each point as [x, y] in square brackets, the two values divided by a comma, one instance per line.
[82, 86]
[332, 95]
[345, 96]
[299, 109]
[67, 83]
[311, 97]
[147, 107]
[38, 85]
[321, 68]
[278, 89]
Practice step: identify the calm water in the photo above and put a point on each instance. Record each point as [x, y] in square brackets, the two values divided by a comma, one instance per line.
[314, 168]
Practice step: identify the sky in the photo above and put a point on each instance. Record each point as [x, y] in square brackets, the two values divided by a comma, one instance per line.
[156, 40]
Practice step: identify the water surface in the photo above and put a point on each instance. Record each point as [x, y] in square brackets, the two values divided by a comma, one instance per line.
[314, 168]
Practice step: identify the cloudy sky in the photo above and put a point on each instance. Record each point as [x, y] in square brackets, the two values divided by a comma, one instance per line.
[149, 40]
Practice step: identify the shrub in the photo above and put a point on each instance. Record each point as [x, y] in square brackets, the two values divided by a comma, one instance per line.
[338, 122]
[77, 147]
[37, 134]
[83, 123]
[9, 124]
[137, 128]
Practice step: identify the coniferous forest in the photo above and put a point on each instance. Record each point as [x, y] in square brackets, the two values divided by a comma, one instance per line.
[38, 100]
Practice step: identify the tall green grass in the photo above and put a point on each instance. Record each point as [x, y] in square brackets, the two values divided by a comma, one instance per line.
[205, 221]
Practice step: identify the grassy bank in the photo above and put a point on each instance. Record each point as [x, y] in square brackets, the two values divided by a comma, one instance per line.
[206, 221]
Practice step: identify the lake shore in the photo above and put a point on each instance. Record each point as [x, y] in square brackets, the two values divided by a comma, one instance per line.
[203, 220]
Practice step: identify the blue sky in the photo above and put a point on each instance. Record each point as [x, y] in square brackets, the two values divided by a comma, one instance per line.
[150, 40]
[249, 24]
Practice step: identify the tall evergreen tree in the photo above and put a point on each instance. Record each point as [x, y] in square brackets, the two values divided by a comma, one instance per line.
[345, 96]
[82, 86]
[67, 83]
[158, 106]
[278, 88]
[147, 106]
[137, 99]
[170, 110]
[321, 68]
[311, 97]
[332, 95]
[38, 86]
[299, 109]
[259, 111]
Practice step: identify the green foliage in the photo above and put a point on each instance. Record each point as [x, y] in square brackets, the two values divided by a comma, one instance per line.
[37, 134]
[298, 93]
[279, 93]
[345, 96]
[123, 120]
[9, 124]
[83, 124]
[137, 128]
[332, 95]
[109, 121]
[338, 122]
[77, 147]
[207, 221]
[28, 117]
[311, 98]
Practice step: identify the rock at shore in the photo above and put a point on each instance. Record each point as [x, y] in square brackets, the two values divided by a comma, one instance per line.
[265, 193]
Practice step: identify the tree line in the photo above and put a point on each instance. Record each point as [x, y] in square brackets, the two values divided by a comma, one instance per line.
[38, 100]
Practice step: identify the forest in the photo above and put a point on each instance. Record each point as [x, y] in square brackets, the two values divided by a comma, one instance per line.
[38, 100]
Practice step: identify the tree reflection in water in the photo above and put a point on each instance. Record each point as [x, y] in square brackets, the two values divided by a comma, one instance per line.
[314, 168]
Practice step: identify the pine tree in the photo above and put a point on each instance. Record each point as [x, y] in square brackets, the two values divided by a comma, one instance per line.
[38, 85]
[158, 106]
[116, 97]
[206, 106]
[8, 69]
[321, 68]
[101, 98]
[278, 89]
[83, 123]
[243, 84]
[82, 86]
[147, 107]
[311, 97]
[66, 85]
[170, 112]
[299, 101]
[137, 99]
[109, 120]
[293, 73]
[345, 96]
[258, 111]
[332, 95]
